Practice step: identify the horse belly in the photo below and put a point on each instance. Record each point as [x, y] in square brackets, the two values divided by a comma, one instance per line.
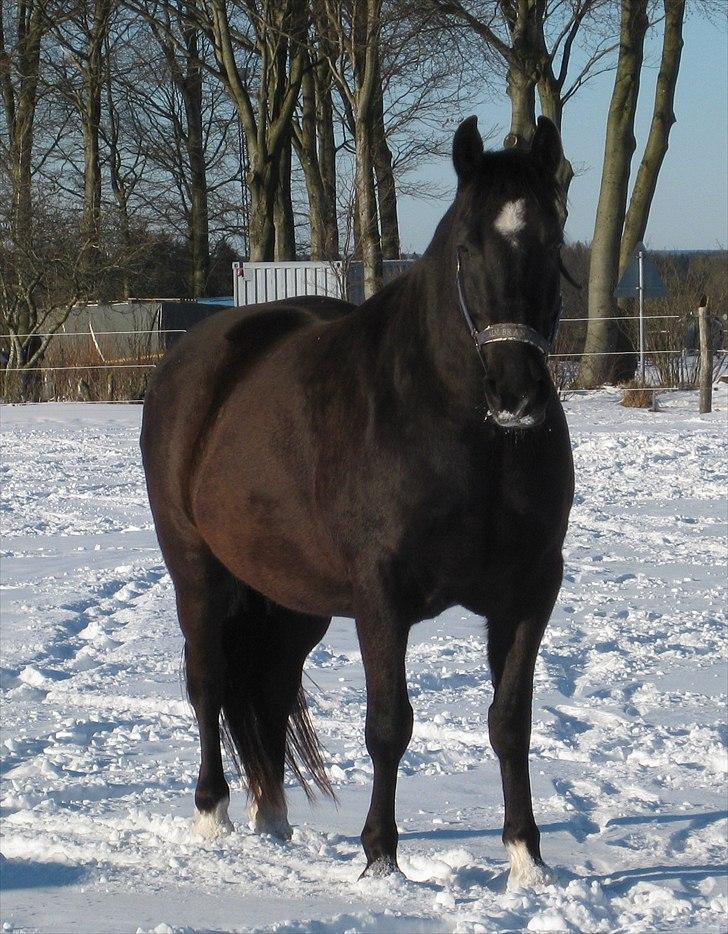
[287, 561]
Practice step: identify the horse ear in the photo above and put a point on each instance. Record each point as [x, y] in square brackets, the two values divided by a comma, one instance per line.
[467, 149]
[546, 146]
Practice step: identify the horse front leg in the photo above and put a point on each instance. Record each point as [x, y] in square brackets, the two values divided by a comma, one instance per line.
[383, 642]
[514, 638]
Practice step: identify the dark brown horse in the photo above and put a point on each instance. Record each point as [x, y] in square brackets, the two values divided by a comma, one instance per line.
[307, 458]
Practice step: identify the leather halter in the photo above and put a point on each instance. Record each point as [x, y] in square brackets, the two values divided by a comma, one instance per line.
[496, 333]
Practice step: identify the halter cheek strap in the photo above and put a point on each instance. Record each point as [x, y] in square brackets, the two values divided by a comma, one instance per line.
[495, 333]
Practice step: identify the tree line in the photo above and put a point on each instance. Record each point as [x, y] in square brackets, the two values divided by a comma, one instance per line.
[146, 143]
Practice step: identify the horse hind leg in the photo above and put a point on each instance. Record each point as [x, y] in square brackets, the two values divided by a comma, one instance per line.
[205, 596]
[264, 709]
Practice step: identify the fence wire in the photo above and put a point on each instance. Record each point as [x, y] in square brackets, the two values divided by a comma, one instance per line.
[126, 374]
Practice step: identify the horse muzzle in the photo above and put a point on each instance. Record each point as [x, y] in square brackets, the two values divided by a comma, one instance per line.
[517, 388]
[505, 419]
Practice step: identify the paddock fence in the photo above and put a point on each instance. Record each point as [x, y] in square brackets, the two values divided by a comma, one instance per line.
[96, 365]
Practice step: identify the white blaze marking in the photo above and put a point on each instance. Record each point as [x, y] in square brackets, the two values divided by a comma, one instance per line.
[512, 219]
[525, 872]
[215, 823]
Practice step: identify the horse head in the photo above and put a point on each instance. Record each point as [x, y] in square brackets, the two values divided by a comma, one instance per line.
[507, 236]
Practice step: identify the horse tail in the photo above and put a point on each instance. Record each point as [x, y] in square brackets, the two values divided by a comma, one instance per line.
[263, 696]
[303, 750]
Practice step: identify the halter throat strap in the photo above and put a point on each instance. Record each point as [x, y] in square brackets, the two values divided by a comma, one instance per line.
[496, 333]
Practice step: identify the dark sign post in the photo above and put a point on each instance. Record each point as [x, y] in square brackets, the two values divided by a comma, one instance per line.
[641, 278]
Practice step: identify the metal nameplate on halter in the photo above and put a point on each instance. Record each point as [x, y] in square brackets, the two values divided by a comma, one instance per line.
[513, 332]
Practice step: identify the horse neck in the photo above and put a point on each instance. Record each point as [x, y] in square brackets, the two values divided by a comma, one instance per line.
[434, 300]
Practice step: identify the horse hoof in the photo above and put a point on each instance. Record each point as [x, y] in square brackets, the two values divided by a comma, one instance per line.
[526, 872]
[382, 868]
[271, 821]
[215, 823]
[280, 829]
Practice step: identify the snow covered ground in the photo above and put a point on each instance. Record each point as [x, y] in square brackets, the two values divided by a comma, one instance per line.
[628, 753]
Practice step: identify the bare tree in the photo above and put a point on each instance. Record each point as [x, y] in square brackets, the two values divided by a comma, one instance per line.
[618, 229]
[167, 109]
[19, 75]
[81, 72]
[24, 267]
[263, 84]
[535, 40]
[663, 118]
[352, 32]
[126, 161]
[384, 177]
[315, 145]
[182, 56]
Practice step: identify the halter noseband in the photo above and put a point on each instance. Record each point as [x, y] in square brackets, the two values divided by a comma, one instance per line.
[496, 333]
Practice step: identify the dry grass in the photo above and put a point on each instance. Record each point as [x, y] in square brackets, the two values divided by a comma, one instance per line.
[83, 375]
[638, 396]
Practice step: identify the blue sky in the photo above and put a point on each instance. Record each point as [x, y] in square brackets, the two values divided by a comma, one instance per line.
[690, 209]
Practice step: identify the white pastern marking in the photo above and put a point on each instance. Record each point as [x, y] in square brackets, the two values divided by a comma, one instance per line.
[512, 219]
[525, 872]
[215, 823]
[272, 819]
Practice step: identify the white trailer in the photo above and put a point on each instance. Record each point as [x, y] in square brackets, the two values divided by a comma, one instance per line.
[255, 283]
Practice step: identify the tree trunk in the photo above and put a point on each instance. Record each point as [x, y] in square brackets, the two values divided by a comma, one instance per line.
[20, 108]
[313, 138]
[327, 158]
[529, 60]
[283, 221]
[199, 223]
[366, 205]
[521, 88]
[187, 75]
[90, 120]
[18, 303]
[365, 67]
[552, 106]
[91, 219]
[118, 181]
[635, 224]
[304, 141]
[386, 189]
[267, 127]
[619, 148]
[663, 118]
[262, 229]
